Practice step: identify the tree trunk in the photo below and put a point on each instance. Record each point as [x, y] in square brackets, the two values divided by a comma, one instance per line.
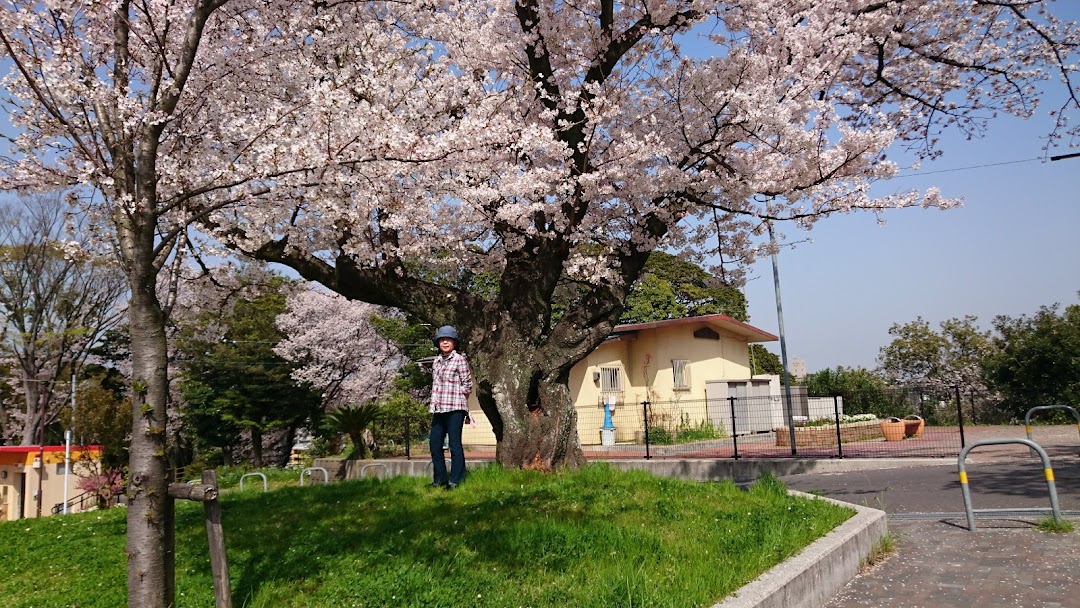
[359, 445]
[256, 447]
[526, 398]
[33, 414]
[149, 506]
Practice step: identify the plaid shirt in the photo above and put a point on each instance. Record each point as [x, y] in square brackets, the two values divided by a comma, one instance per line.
[451, 383]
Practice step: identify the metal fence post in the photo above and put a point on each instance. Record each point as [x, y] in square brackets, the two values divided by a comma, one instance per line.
[734, 435]
[836, 417]
[960, 416]
[645, 410]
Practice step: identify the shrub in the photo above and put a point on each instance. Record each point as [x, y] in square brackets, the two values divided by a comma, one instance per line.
[106, 487]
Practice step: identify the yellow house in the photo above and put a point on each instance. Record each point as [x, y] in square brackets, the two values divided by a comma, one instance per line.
[33, 479]
[678, 359]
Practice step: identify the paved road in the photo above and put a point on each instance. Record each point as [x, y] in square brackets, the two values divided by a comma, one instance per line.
[935, 488]
[939, 563]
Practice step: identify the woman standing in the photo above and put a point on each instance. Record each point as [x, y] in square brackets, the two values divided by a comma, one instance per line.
[450, 388]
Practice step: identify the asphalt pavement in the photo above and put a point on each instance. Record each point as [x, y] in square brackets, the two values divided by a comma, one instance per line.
[938, 562]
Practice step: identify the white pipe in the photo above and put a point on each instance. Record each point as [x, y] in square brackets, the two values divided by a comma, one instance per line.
[67, 466]
[67, 445]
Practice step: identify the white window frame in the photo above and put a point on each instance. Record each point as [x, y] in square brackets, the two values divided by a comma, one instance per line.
[680, 374]
[611, 381]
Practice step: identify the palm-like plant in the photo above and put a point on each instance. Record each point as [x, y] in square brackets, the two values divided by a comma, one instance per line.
[353, 420]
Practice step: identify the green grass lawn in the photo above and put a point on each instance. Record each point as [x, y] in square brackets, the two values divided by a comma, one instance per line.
[596, 537]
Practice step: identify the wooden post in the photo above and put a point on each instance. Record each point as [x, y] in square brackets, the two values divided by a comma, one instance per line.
[207, 494]
[219, 564]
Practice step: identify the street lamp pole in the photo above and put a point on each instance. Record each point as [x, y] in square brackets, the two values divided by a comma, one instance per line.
[67, 444]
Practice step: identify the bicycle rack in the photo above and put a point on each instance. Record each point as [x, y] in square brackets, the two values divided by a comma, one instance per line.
[325, 474]
[1027, 416]
[386, 471]
[1048, 472]
[252, 475]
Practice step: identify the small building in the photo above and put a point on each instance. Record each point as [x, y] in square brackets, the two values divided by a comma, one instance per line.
[687, 359]
[797, 369]
[33, 479]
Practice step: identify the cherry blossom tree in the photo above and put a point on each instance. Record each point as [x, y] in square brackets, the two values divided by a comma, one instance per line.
[156, 114]
[553, 143]
[397, 151]
[340, 352]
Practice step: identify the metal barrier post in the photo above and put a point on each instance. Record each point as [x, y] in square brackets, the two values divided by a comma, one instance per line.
[326, 474]
[1048, 472]
[1027, 416]
[252, 475]
[386, 471]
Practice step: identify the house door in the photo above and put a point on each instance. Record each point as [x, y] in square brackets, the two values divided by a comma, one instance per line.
[4, 501]
[738, 390]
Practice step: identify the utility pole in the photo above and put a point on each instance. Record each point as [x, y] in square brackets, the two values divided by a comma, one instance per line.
[783, 343]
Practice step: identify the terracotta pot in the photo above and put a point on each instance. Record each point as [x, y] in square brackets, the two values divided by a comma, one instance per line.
[913, 426]
[893, 429]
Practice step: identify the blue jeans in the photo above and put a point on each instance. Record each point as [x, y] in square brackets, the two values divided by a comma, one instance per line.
[445, 424]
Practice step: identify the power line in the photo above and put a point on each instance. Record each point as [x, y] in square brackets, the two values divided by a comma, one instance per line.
[969, 168]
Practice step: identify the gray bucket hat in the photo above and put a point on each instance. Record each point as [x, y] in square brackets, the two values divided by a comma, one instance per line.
[446, 331]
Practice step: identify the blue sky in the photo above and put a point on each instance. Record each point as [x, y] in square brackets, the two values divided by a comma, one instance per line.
[1012, 247]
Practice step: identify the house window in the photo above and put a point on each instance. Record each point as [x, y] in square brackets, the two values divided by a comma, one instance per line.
[681, 370]
[706, 333]
[611, 380]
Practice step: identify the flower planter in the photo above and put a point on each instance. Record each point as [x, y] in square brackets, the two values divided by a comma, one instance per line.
[893, 429]
[913, 426]
[823, 436]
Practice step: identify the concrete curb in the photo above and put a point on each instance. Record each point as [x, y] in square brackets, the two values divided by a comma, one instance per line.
[749, 469]
[705, 469]
[821, 570]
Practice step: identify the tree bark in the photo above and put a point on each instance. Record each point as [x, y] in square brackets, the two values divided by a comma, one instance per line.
[149, 506]
[34, 413]
[527, 401]
[256, 447]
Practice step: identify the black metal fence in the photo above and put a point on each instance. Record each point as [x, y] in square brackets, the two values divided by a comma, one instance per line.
[900, 422]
